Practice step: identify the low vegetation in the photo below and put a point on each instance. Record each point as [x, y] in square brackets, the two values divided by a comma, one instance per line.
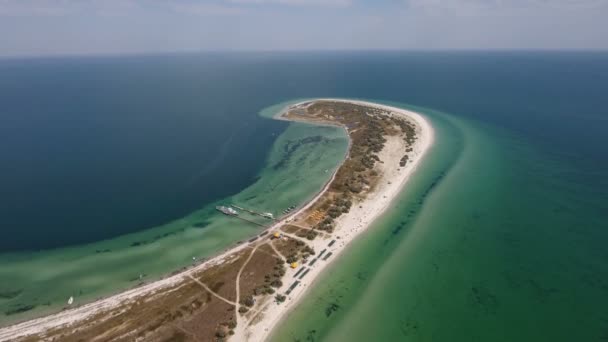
[368, 128]
[206, 309]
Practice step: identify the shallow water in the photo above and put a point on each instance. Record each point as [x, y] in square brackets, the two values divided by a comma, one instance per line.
[501, 234]
[488, 242]
[301, 160]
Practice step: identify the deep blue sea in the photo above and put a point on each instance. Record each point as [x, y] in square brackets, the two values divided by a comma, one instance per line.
[94, 148]
[120, 144]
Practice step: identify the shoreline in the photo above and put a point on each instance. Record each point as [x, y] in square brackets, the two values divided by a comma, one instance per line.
[370, 208]
[68, 317]
[376, 204]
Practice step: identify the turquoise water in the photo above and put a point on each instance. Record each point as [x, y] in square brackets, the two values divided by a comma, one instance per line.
[301, 160]
[501, 235]
[488, 242]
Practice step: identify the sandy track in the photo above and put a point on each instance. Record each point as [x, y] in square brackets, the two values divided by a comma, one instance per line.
[359, 218]
[350, 225]
[203, 285]
[73, 316]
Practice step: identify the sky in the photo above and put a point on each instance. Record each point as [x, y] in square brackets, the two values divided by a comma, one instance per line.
[91, 27]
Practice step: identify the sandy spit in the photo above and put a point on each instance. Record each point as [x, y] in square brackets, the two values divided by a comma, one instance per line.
[356, 221]
[348, 227]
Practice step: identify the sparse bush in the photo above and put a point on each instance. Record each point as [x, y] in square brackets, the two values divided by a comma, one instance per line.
[249, 301]
[221, 332]
[292, 258]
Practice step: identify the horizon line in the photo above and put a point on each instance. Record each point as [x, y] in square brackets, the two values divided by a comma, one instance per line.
[292, 51]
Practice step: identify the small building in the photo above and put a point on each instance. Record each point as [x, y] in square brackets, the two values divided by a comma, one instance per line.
[277, 235]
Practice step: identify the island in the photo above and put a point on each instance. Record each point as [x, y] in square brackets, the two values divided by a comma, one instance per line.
[243, 293]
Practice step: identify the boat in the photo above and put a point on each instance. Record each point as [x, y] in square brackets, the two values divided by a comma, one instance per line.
[268, 215]
[227, 210]
[71, 300]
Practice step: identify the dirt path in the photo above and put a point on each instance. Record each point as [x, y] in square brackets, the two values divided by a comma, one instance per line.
[353, 223]
[274, 248]
[262, 311]
[240, 327]
[212, 292]
[291, 236]
[238, 276]
[190, 334]
[319, 232]
[75, 316]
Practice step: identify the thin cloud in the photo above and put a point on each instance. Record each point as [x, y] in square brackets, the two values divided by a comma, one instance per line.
[204, 9]
[571, 4]
[22, 8]
[457, 5]
[34, 8]
[478, 6]
[312, 3]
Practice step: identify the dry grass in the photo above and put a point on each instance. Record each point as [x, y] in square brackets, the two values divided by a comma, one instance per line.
[262, 264]
[188, 312]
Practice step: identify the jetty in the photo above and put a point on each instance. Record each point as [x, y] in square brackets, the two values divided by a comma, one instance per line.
[250, 221]
[266, 215]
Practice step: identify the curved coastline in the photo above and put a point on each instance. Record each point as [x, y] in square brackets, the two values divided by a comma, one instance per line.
[377, 202]
[47, 278]
[371, 208]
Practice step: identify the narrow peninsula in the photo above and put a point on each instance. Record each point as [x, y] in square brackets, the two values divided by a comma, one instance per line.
[241, 294]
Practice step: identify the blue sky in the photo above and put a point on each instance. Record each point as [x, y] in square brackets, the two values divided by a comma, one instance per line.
[64, 27]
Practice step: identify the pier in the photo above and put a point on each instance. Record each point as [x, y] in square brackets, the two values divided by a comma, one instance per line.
[253, 212]
[233, 213]
[250, 221]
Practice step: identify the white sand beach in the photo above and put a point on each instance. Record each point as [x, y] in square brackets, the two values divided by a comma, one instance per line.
[348, 227]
